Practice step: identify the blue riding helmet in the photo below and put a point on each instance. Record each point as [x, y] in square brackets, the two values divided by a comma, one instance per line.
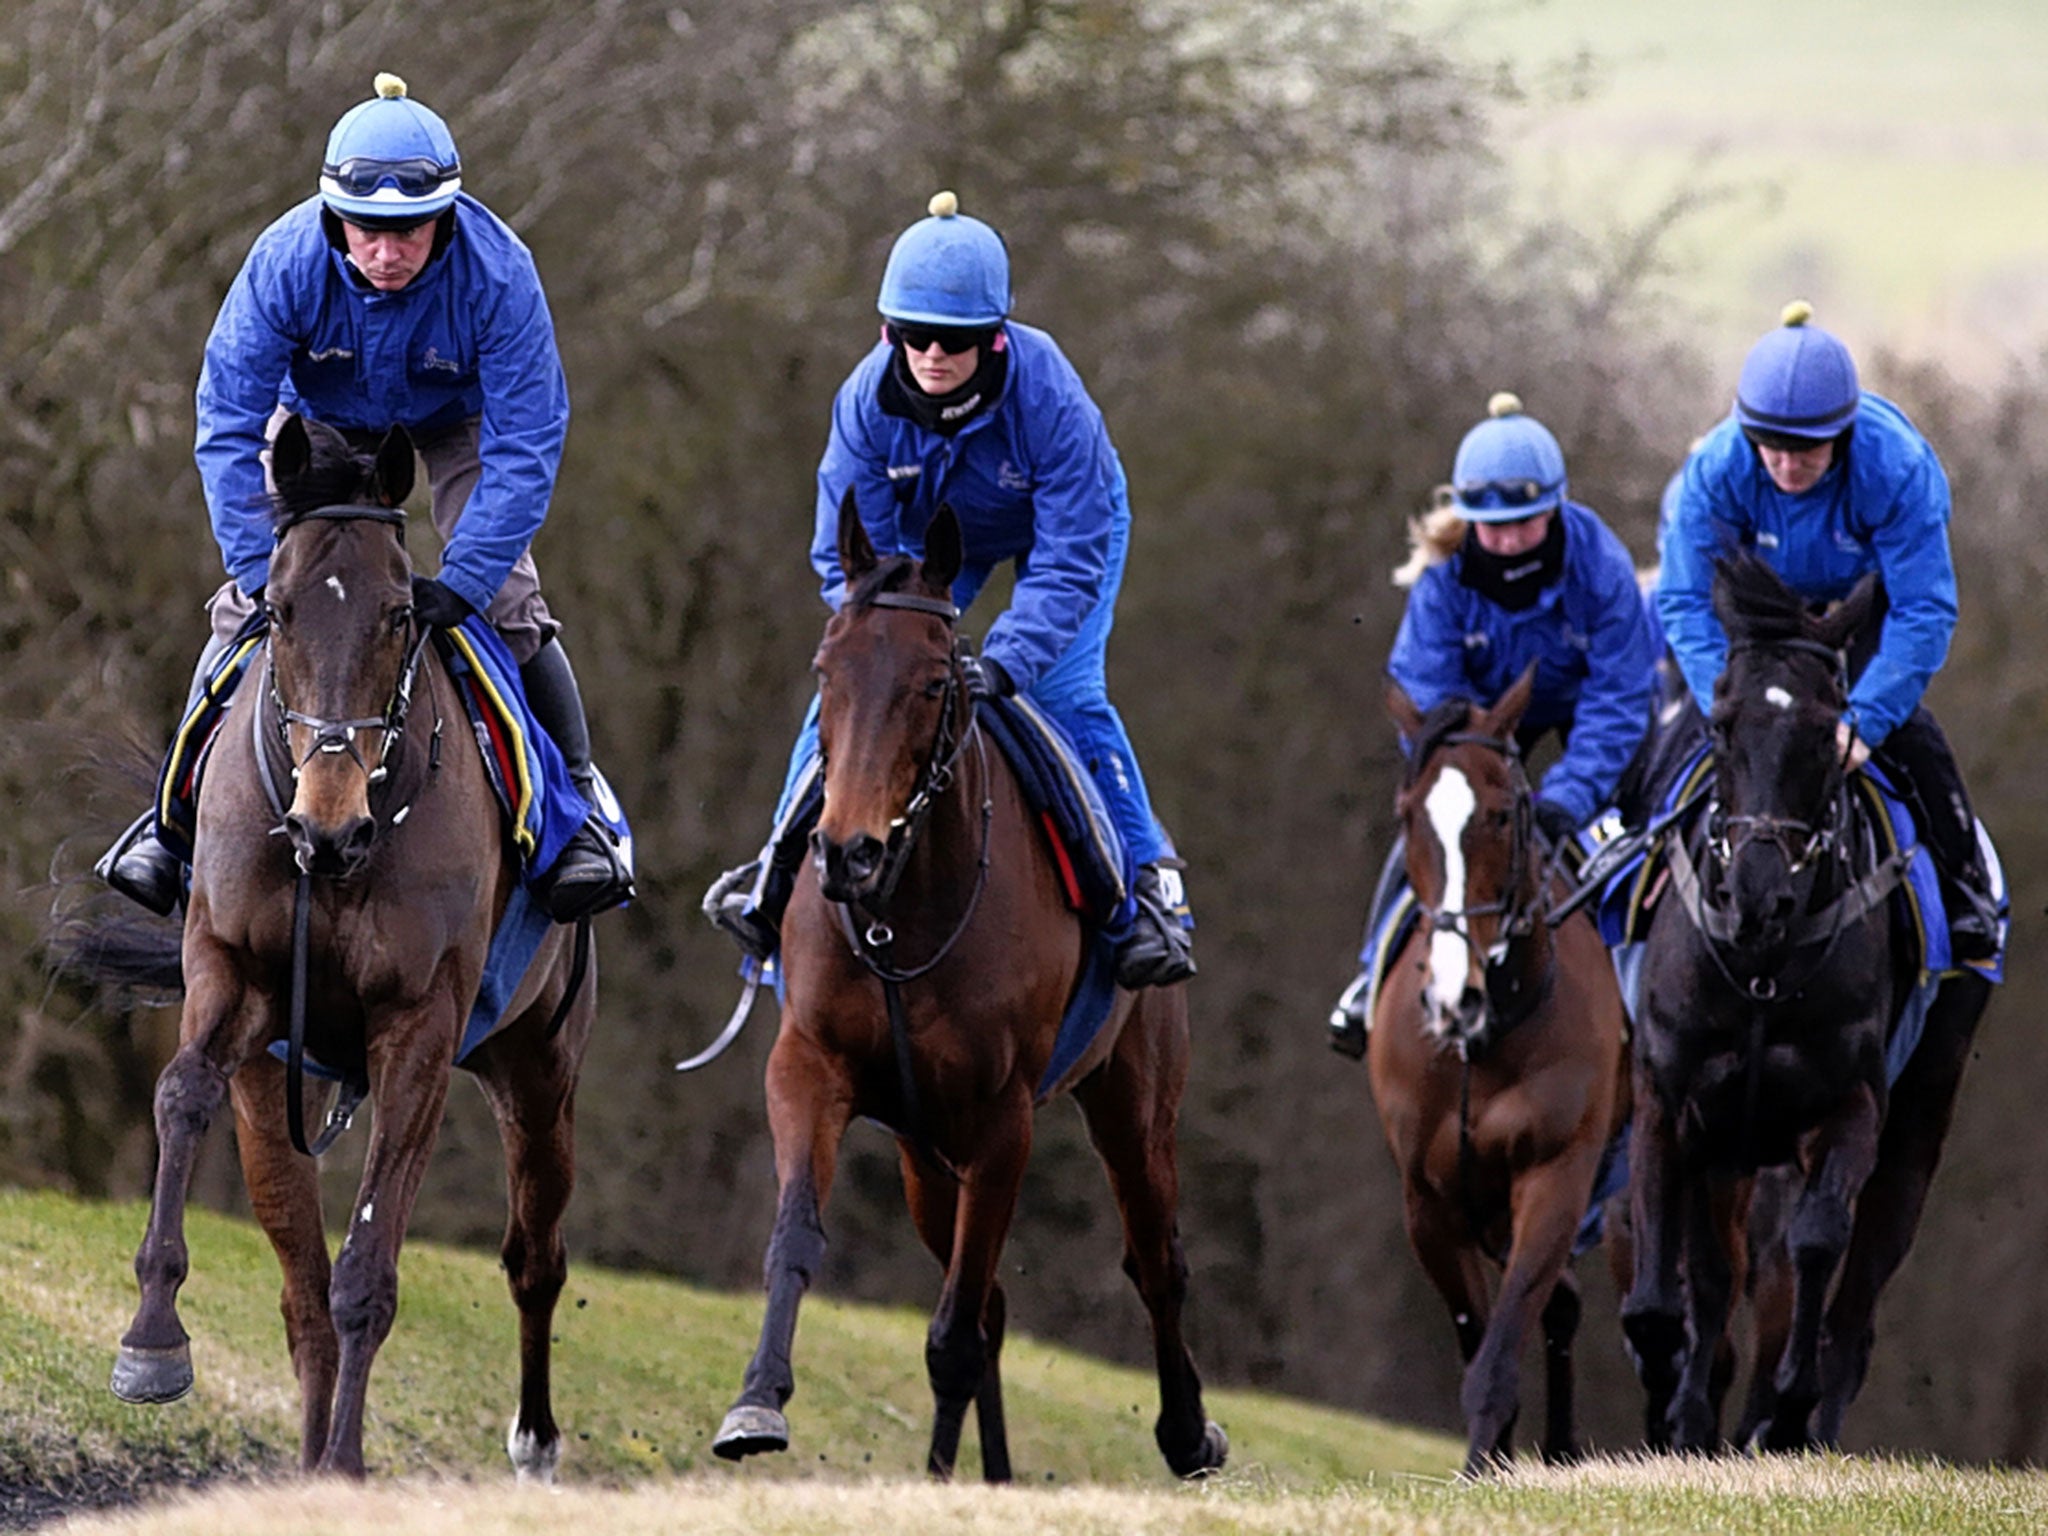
[947, 269]
[1798, 381]
[1508, 467]
[390, 161]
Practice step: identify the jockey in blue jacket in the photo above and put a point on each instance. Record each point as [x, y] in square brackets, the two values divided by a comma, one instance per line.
[958, 403]
[1511, 572]
[392, 297]
[1825, 482]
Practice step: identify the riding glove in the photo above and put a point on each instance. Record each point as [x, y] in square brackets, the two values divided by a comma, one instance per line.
[1557, 824]
[986, 678]
[437, 606]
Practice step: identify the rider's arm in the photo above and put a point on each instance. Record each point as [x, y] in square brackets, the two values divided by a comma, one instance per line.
[1911, 541]
[247, 354]
[1698, 531]
[525, 419]
[856, 455]
[1428, 658]
[1614, 701]
[1078, 497]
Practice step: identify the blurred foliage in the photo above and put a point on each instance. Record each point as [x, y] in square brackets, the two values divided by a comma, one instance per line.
[1273, 237]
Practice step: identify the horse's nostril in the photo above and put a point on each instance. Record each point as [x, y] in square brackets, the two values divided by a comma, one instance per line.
[864, 857]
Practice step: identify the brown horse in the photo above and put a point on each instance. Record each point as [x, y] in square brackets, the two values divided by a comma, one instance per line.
[1498, 1057]
[927, 968]
[341, 717]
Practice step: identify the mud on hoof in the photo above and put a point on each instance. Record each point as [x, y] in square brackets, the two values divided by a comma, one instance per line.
[1205, 1456]
[749, 1430]
[152, 1375]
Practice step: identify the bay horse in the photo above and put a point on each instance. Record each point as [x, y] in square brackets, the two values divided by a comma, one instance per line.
[1773, 977]
[1498, 1057]
[331, 789]
[927, 967]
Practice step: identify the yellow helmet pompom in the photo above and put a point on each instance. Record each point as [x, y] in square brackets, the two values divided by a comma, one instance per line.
[388, 85]
[1505, 403]
[1798, 312]
[944, 205]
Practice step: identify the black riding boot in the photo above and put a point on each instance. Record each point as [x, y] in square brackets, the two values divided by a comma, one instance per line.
[138, 865]
[748, 902]
[1923, 769]
[1157, 952]
[591, 873]
[1348, 1020]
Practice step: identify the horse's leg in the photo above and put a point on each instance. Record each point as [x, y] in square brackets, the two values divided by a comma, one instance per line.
[1132, 1106]
[1652, 1313]
[1770, 1298]
[1560, 1329]
[957, 1356]
[809, 1103]
[1548, 1202]
[409, 1069]
[1710, 1270]
[284, 1194]
[1845, 1150]
[1888, 1210]
[933, 1196]
[155, 1362]
[531, 1088]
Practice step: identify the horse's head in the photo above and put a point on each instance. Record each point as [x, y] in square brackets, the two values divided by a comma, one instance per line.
[341, 630]
[892, 711]
[1778, 768]
[1466, 809]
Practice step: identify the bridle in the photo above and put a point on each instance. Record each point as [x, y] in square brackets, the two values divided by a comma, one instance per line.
[1799, 843]
[1515, 909]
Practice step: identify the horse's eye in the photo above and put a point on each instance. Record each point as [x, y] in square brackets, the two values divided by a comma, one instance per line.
[935, 689]
[400, 617]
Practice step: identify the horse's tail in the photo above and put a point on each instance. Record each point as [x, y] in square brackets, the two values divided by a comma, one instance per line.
[1432, 539]
[131, 954]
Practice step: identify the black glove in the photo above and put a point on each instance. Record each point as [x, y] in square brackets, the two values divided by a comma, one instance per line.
[1558, 825]
[986, 678]
[436, 605]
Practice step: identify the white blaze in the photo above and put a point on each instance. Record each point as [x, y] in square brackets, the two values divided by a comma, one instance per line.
[1777, 697]
[340, 592]
[1450, 805]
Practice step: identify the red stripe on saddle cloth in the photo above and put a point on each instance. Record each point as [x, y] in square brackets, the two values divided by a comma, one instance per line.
[501, 749]
[1068, 879]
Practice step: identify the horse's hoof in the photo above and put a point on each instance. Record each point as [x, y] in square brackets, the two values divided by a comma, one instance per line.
[152, 1375]
[532, 1460]
[1208, 1456]
[748, 1430]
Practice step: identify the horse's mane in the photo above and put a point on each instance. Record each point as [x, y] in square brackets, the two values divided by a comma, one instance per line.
[893, 574]
[1442, 721]
[1757, 606]
[337, 476]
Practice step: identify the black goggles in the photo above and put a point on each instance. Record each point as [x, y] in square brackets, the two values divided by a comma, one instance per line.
[1783, 442]
[1502, 495]
[952, 339]
[412, 178]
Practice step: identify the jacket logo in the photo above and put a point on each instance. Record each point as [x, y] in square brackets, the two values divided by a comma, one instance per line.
[1011, 478]
[905, 471]
[433, 359]
[328, 354]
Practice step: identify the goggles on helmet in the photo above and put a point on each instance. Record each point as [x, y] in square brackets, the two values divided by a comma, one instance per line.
[1784, 442]
[1503, 495]
[410, 178]
[952, 339]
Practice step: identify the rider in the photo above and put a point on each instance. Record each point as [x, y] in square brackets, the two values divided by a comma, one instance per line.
[957, 403]
[394, 297]
[1825, 481]
[1506, 573]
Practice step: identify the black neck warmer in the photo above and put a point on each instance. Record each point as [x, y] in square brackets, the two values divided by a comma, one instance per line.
[1513, 582]
[944, 414]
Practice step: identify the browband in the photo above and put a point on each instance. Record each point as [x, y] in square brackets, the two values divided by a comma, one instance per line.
[395, 516]
[939, 607]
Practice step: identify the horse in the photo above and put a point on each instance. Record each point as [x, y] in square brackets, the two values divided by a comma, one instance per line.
[927, 965]
[1773, 977]
[1498, 1058]
[333, 818]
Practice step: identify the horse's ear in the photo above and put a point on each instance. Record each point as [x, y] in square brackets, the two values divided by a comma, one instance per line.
[1507, 710]
[1402, 711]
[942, 548]
[856, 554]
[1841, 624]
[391, 481]
[291, 451]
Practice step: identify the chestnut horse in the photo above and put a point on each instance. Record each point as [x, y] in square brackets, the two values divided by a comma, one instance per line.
[1498, 1058]
[927, 968]
[391, 849]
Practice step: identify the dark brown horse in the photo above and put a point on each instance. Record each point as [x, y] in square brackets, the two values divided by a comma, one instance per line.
[338, 734]
[1498, 1061]
[927, 968]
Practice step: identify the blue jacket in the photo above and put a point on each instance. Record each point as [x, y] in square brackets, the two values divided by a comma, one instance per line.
[1591, 640]
[1885, 510]
[470, 336]
[1032, 478]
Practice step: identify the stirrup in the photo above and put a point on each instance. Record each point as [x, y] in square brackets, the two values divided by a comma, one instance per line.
[141, 868]
[730, 906]
[588, 877]
[1348, 1023]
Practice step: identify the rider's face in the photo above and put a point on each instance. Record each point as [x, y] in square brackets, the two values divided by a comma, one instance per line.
[1796, 470]
[1506, 540]
[389, 258]
[939, 372]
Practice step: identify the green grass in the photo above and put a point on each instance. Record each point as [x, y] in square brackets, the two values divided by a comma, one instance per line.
[644, 1371]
